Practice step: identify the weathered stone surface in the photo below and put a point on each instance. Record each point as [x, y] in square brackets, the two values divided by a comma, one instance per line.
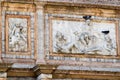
[46, 18]
[83, 37]
[30, 32]
[3, 75]
[98, 2]
[44, 77]
[20, 78]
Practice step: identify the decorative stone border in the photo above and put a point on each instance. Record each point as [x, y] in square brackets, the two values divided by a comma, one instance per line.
[114, 59]
[31, 14]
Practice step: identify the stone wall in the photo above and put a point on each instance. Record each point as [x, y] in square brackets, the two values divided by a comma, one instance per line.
[40, 55]
[65, 58]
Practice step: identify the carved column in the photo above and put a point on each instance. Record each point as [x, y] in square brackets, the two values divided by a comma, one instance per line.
[40, 33]
[44, 77]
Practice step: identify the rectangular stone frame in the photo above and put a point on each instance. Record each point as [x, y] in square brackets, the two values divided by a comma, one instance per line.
[28, 52]
[81, 55]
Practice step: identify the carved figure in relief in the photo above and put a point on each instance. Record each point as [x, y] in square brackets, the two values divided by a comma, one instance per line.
[60, 42]
[108, 42]
[17, 39]
[73, 49]
[17, 33]
[85, 38]
[88, 38]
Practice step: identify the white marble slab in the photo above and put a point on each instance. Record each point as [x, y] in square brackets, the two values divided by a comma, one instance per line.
[17, 34]
[84, 37]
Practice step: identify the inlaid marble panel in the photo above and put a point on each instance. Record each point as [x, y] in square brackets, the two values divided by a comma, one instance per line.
[84, 36]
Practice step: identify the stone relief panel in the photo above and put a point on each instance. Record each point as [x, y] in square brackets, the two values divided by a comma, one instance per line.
[17, 33]
[83, 36]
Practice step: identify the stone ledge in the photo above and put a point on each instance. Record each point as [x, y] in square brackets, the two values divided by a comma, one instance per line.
[5, 66]
[21, 72]
[75, 74]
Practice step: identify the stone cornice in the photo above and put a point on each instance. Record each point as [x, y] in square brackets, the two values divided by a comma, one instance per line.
[79, 3]
[41, 68]
[5, 66]
[21, 72]
[98, 2]
[86, 75]
[84, 5]
[59, 73]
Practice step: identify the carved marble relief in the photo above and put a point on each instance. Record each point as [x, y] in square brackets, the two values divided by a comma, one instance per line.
[84, 37]
[17, 34]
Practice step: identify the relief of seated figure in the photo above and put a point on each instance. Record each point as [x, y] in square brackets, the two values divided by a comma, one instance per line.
[60, 42]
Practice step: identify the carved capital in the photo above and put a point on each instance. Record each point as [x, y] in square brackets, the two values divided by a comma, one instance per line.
[40, 5]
